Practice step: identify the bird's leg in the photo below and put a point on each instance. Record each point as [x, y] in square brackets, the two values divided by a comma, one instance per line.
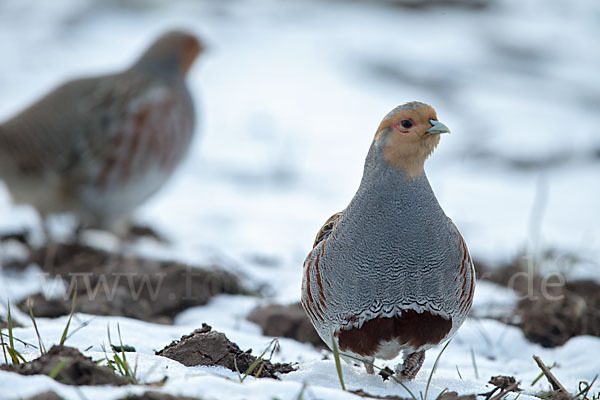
[411, 366]
[369, 365]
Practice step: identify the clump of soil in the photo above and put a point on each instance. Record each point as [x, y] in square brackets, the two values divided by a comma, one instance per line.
[547, 312]
[207, 347]
[505, 382]
[49, 395]
[115, 284]
[156, 396]
[555, 395]
[502, 384]
[427, 4]
[77, 369]
[569, 310]
[444, 396]
[286, 321]
[455, 396]
[362, 393]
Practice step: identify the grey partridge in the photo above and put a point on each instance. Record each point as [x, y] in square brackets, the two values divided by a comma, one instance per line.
[98, 147]
[391, 273]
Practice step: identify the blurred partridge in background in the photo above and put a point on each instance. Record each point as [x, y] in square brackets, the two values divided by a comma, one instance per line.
[98, 147]
[391, 273]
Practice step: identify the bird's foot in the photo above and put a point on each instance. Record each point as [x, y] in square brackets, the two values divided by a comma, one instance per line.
[411, 366]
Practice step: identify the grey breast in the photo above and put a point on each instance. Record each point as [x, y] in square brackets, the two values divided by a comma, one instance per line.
[393, 248]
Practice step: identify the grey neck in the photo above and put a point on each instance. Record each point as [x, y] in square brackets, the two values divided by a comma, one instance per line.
[387, 189]
[165, 69]
[377, 169]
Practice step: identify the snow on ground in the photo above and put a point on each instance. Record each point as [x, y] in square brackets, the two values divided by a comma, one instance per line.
[289, 95]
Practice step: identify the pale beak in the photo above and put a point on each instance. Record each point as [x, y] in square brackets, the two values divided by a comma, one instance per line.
[438, 128]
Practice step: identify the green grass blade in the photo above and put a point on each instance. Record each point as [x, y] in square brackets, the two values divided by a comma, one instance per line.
[37, 332]
[474, 364]
[3, 346]
[66, 330]
[237, 369]
[588, 386]
[338, 364]
[260, 368]
[56, 370]
[15, 356]
[435, 364]
[542, 374]
[109, 364]
[251, 368]
[459, 374]
[125, 363]
[301, 394]
[254, 364]
[11, 341]
[442, 393]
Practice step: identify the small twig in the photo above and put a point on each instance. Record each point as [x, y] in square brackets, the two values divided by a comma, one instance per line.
[505, 391]
[542, 374]
[556, 385]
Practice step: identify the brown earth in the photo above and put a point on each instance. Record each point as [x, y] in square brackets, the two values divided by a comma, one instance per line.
[288, 321]
[444, 396]
[207, 347]
[548, 314]
[77, 369]
[156, 396]
[45, 396]
[114, 284]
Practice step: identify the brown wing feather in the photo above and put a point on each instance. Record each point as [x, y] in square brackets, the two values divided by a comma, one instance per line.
[315, 302]
[327, 228]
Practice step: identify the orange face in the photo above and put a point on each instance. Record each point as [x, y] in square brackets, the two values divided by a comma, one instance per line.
[408, 135]
[412, 119]
[189, 48]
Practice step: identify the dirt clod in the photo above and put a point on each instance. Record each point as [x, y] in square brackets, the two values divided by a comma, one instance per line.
[502, 384]
[115, 284]
[77, 369]
[156, 396]
[505, 382]
[49, 395]
[570, 310]
[549, 313]
[286, 321]
[455, 396]
[555, 395]
[207, 347]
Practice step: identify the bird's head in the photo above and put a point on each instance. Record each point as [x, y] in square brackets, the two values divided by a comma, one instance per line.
[408, 135]
[173, 52]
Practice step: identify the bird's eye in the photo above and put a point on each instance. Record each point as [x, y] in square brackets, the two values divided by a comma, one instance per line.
[406, 124]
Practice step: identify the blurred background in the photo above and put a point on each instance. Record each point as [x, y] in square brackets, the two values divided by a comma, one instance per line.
[289, 94]
[288, 97]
